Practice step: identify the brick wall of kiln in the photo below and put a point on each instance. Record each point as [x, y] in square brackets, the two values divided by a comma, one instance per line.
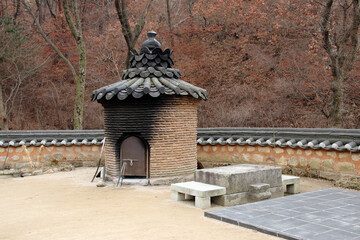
[167, 123]
[332, 165]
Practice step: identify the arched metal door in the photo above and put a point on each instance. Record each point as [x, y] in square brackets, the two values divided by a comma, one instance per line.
[133, 152]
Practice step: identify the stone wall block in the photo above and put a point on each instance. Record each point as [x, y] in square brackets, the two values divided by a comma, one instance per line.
[239, 148]
[344, 155]
[230, 148]
[264, 149]
[258, 158]
[270, 160]
[278, 150]
[15, 158]
[95, 148]
[250, 149]
[235, 158]
[319, 153]
[355, 157]
[331, 154]
[346, 167]
[314, 163]
[245, 158]
[290, 151]
[46, 157]
[328, 164]
[19, 149]
[282, 161]
[58, 156]
[303, 162]
[308, 152]
[299, 152]
[293, 161]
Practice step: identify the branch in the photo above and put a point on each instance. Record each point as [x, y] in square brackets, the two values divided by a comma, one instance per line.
[51, 12]
[141, 22]
[49, 41]
[69, 19]
[123, 18]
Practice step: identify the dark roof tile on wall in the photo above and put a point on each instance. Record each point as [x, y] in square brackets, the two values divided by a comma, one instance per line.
[314, 138]
[304, 138]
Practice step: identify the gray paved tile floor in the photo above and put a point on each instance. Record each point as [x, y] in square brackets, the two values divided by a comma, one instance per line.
[324, 214]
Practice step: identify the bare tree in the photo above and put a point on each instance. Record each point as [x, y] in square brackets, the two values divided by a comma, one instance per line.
[74, 23]
[131, 36]
[15, 66]
[341, 43]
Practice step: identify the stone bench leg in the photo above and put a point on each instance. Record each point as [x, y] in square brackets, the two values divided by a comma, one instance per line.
[292, 188]
[189, 197]
[177, 196]
[202, 202]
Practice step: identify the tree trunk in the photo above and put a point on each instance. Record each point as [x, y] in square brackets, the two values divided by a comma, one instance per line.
[336, 114]
[168, 15]
[79, 103]
[342, 57]
[3, 119]
[80, 86]
[131, 36]
[80, 76]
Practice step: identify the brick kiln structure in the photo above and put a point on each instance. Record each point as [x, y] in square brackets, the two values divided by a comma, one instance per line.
[150, 117]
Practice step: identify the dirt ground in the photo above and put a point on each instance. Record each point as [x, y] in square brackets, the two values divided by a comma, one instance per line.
[67, 206]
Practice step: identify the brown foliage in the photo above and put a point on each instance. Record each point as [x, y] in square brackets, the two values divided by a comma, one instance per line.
[262, 62]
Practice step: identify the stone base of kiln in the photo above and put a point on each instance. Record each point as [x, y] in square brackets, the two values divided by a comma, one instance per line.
[152, 181]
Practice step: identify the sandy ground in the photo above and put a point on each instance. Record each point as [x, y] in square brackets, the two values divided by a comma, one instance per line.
[67, 206]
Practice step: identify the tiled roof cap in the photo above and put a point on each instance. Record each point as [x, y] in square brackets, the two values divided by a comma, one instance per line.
[305, 138]
[314, 138]
[151, 73]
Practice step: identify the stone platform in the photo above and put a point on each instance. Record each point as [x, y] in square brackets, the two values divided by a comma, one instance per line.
[238, 179]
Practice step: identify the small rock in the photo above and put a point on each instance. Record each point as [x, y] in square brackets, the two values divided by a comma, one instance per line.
[37, 172]
[25, 174]
[101, 184]
[10, 172]
[55, 170]
[66, 168]
[49, 171]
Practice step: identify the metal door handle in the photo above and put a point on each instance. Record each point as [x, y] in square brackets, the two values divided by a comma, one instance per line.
[131, 161]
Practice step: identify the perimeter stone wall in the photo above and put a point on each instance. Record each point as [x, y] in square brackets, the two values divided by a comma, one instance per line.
[78, 156]
[342, 167]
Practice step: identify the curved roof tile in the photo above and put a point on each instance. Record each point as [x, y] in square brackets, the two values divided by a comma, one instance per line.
[327, 139]
[151, 73]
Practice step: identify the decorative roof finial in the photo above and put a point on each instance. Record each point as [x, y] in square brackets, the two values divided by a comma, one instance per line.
[151, 43]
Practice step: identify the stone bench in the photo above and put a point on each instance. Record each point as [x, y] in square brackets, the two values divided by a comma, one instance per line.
[201, 191]
[291, 184]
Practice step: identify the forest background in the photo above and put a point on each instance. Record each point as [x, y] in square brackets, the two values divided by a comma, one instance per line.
[264, 63]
